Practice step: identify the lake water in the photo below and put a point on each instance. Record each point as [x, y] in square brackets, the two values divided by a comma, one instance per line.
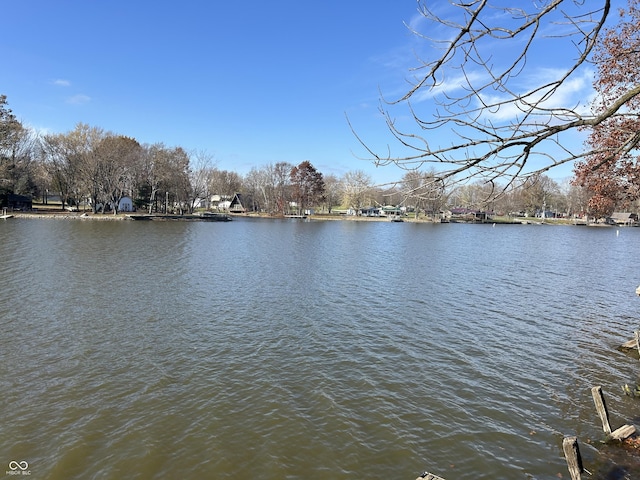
[283, 349]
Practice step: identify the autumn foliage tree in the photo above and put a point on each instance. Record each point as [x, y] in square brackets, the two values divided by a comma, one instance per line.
[611, 173]
[307, 186]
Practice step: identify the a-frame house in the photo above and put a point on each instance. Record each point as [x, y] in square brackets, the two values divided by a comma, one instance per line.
[236, 204]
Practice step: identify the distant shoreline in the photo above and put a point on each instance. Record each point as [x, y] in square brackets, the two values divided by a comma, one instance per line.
[65, 215]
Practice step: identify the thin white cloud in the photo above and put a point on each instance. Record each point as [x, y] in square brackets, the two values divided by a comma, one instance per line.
[575, 94]
[79, 99]
[449, 85]
[60, 82]
[416, 23]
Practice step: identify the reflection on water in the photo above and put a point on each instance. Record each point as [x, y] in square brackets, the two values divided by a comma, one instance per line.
[285, 349]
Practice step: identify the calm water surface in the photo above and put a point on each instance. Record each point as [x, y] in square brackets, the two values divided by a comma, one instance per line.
[316, 350]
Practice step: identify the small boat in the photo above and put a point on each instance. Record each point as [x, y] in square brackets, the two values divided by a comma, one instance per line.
[396, 218]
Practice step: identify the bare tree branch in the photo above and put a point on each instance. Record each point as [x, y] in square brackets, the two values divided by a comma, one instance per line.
[478, 94]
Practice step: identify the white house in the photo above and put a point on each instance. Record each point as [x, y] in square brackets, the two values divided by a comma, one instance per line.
[224, 205]
[125, 205]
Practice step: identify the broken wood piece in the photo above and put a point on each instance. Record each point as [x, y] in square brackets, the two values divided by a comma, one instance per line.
[630, 345]
[429, 476]
[623, 432]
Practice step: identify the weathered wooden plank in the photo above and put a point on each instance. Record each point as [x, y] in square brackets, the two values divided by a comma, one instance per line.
[630, 345]
[623, 432]
[572, 455]
[601, 407]
[429, 476]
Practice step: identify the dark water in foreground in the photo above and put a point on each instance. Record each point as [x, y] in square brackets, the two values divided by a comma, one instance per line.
[315, 350]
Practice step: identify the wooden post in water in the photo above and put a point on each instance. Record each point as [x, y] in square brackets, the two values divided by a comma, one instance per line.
[601, 407]
[572, 454]
[637, 335]
[621, 433]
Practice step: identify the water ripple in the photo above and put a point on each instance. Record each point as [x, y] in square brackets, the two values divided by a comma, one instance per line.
[281, 349]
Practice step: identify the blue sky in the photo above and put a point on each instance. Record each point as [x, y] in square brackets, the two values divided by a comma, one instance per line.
[249, 82]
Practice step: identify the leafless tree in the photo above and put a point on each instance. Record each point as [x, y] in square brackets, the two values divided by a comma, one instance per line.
[422, 192]
[476, 195]
[177, 185]
[74, 164]
[153, 170]
[268, 187]
[282, 185]
[200, 175]
[539, 194]
[356, 186]
[256, 187]
[18, 150]
[18, 168]
[164, 172]
[576, 199]
[333, 191]
[118, 158]
[489, 121]
[225, 183]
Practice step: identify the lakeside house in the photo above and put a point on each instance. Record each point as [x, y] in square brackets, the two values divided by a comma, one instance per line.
[384, 211]
[468, 215]
[624, 218]
[126, 205]
[12, 201]
[369, 212]
[223, 205]
[391, 211]
[236, 204]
